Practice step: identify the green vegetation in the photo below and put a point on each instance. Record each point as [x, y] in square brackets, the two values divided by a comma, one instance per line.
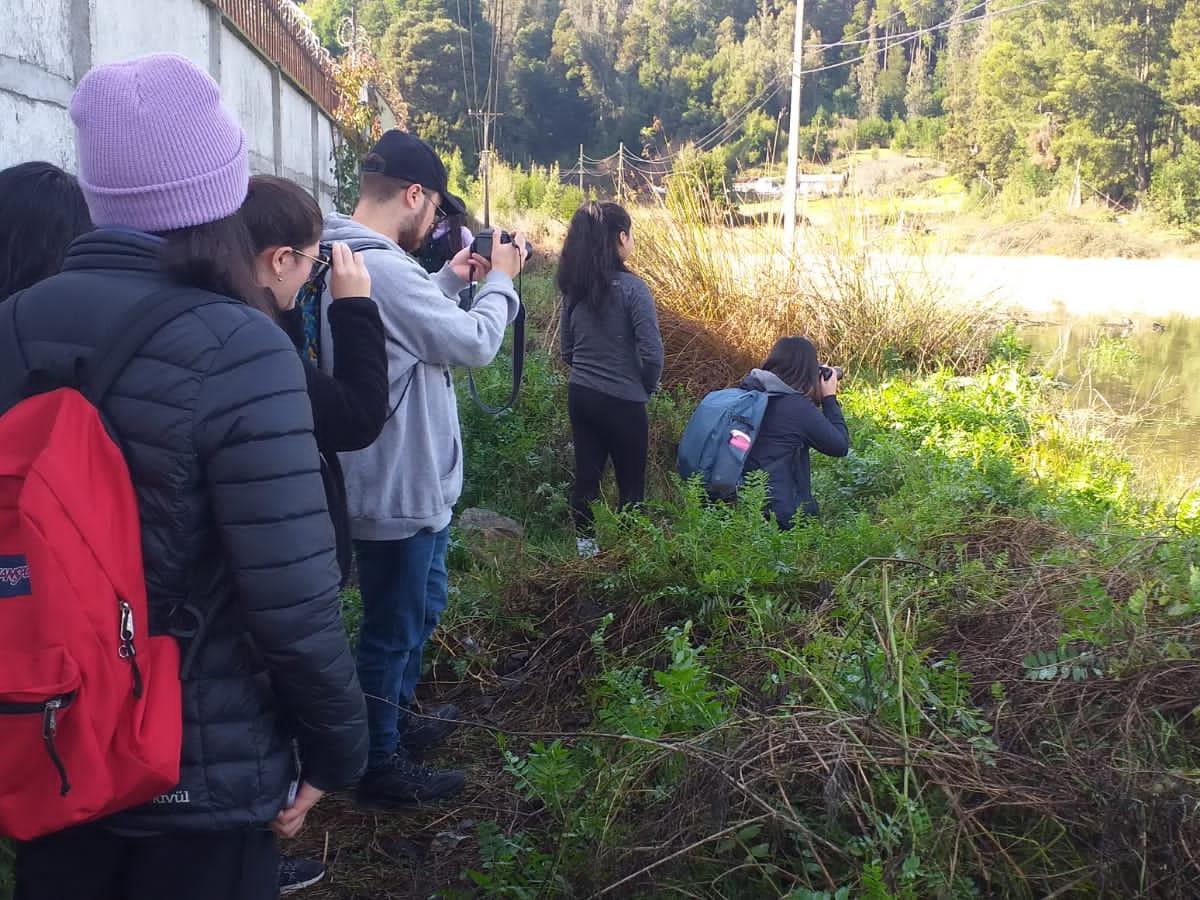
[975, 675]
[947, 686]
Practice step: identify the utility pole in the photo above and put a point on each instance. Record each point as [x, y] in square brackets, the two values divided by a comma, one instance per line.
[581, 168]
[621, 172]
[486, 160]
[793, 151]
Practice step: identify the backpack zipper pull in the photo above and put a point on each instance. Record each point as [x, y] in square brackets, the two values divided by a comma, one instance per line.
[49, 730]
[127, 649]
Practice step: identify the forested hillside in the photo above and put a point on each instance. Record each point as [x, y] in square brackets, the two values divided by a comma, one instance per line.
[1031, 89]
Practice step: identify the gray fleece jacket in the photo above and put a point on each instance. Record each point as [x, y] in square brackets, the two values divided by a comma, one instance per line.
[412, 476]
[616, 349]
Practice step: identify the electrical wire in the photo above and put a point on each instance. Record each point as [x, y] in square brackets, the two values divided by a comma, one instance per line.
[719, 135]
[462, 52]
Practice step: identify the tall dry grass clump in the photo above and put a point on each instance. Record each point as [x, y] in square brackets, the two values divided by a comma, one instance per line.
[866, 302]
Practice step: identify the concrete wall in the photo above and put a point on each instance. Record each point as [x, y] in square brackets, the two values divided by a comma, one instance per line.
[47, 45]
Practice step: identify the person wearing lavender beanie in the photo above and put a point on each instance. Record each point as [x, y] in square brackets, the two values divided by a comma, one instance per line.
[214, 420]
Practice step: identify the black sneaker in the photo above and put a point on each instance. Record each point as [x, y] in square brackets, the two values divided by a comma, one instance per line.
[424, 732]
[400, 782]
[297, 874]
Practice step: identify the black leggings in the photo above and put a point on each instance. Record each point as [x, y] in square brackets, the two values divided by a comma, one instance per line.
[604, 426]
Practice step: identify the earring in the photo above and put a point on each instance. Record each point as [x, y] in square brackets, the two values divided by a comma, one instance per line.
[279, 278]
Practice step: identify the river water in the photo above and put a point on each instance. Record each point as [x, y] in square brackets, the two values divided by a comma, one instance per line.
[1122, 337]
[1136, 378]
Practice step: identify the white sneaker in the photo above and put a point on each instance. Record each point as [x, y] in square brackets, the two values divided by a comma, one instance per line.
[297, 874]
[587, 548]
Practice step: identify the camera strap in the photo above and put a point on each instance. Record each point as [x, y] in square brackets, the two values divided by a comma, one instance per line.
[518, 356]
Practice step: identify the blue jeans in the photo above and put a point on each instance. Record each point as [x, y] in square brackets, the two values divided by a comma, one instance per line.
[404, 593]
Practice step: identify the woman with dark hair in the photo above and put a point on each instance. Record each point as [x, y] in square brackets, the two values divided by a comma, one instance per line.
[444, 243]
[802, 412]
[609, 337]
[239, 561]
[42, 211]
[351, 405]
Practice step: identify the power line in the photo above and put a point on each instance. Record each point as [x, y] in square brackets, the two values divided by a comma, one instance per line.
[474, 69]
[855, 43]
[492, 91]
[721, 133]
[911, 36]
[871, 25]
[468, 97]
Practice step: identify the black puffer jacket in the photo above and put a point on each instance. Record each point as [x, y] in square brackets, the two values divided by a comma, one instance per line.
[217, 429]
[350, 407]
[792, 424]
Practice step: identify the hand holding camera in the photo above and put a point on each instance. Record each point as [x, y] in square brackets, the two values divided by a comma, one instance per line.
[830, 376]
[348, 273]
[506, 252]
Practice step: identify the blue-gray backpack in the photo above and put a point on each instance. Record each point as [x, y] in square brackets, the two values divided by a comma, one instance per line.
[719, 437]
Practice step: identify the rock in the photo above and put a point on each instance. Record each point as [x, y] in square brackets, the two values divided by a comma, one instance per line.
[490, 525]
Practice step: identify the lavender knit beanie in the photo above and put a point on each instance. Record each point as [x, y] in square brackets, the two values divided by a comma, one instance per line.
[157, 151]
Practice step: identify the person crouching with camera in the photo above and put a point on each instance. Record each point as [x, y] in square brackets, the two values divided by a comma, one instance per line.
[802, 412]
[401, 490]
[609, 337]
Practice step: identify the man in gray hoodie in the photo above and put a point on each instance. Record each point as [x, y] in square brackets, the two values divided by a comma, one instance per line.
[401, 490]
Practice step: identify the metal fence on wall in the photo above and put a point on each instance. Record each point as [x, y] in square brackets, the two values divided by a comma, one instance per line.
[285, 42]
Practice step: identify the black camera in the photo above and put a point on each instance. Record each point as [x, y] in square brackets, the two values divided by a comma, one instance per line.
[828, 372]
[482, 243]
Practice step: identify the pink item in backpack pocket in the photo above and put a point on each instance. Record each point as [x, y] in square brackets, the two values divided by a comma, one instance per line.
[739, 441]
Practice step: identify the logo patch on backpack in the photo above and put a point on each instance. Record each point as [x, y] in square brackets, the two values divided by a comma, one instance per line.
[14, 577]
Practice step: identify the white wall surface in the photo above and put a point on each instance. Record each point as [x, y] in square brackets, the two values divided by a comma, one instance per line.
[123, 29]
[246, 90]
[47, 45]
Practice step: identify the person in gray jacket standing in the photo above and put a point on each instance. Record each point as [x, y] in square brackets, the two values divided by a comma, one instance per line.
[609, 337]
[401, 490]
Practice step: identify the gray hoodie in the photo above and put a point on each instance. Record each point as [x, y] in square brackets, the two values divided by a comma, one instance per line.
[412, 476]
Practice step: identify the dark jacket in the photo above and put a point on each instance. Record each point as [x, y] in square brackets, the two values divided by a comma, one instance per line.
[616, 349]
[350, 406]
[792, 424]
[216, 427]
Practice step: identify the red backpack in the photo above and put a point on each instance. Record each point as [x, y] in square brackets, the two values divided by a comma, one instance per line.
[90, 711]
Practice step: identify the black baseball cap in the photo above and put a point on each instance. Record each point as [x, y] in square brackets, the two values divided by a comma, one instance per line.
[406, 157]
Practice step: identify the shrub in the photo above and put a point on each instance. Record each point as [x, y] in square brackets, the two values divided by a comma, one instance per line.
[516, 192]
[1175, 186]
[922, 133]
[874, 132]
[706, 173]
[856, 303]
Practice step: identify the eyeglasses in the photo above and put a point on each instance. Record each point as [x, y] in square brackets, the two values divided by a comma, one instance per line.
[439, 214]
[319, 264]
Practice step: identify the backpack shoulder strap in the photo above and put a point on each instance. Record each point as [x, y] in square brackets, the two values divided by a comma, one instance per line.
[10, 343]
[12, 354]
[133, 330]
